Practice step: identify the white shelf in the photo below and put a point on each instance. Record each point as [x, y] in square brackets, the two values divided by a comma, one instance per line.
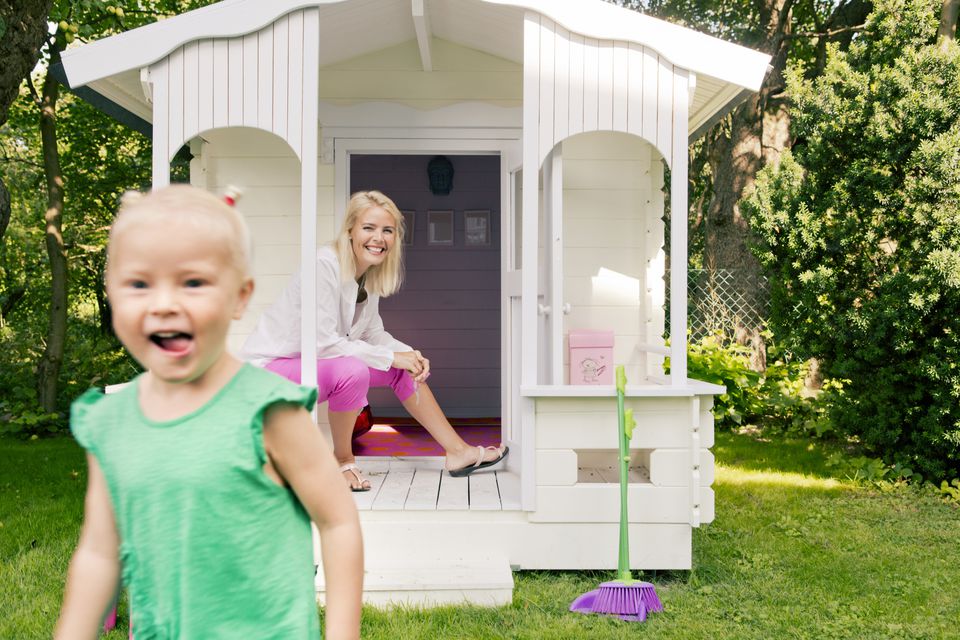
[654, 389]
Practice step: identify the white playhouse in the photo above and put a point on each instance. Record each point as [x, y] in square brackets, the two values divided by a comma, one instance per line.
[559, 118]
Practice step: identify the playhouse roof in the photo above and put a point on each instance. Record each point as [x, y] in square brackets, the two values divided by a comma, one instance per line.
[350, 28]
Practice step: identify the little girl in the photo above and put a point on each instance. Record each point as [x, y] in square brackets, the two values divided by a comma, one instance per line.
[204, 473]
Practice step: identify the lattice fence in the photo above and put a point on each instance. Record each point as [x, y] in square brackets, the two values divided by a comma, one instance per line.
[722, 300]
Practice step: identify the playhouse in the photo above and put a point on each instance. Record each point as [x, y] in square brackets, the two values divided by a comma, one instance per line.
[556, 120]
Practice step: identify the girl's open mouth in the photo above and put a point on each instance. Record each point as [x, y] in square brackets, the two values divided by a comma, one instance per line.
[174, 342]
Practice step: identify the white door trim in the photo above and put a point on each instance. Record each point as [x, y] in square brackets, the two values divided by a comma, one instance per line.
[463, 141]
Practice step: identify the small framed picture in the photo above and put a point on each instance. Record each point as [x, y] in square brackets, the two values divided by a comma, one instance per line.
[440, 227]
[476, 228]
[409, 220]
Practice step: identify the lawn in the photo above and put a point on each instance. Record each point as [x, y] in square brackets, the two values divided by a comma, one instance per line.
[793, 553]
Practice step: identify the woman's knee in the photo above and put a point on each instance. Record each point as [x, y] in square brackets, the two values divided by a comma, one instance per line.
[350, 373]
[402, 384]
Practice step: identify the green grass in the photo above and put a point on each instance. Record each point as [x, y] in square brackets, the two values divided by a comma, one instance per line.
[793, 553]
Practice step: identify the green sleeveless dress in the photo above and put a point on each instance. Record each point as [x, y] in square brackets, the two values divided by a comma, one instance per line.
[210, 546]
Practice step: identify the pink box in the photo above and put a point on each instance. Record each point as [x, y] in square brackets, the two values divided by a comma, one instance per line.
[591, 356]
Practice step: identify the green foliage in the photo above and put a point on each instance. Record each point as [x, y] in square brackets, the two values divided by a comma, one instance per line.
[860, 232]
[100, 159]
[776, 399]
[951, 491]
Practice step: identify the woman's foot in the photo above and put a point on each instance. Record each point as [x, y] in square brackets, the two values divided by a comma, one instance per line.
[354, 476]
[473, 459]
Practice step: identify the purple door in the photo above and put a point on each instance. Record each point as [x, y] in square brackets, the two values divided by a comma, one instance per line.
[449, 305]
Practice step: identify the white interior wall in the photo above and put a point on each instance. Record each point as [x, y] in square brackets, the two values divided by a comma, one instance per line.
[266, 170]
[612, 209]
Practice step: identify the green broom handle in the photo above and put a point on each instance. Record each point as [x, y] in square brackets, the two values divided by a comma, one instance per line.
[624, 430]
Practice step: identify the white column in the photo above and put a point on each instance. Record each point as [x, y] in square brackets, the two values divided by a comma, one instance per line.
[308, 196]
[678, 232]
[161, 125]
[530, 234]
[555, 239]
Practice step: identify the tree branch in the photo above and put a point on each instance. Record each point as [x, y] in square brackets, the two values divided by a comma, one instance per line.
[830, 33]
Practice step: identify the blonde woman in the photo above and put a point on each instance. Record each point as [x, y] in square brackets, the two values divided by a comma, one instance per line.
[354, 351]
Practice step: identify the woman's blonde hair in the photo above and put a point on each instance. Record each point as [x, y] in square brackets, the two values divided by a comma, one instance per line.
[383, 279]
[208, 214]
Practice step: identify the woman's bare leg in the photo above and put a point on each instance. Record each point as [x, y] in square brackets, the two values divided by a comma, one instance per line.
[423, 406]
[341, 428]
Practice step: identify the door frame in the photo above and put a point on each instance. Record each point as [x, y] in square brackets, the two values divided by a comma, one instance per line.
[504, 143]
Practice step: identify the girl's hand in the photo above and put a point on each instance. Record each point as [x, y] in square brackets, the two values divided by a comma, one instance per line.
[414, 363]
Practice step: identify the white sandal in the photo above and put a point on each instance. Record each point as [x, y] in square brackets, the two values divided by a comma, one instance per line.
[355, 470]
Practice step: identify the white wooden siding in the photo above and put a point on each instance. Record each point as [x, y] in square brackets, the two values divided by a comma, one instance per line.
[265, 167]
[584, 84]
[396, 74]
[255, 80]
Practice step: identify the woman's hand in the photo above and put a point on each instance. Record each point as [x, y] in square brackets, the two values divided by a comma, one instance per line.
[414, 363]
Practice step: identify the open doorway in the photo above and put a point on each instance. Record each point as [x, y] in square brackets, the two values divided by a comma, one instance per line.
[449, 304]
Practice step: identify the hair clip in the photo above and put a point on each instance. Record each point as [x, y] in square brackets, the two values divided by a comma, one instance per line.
[232, 194]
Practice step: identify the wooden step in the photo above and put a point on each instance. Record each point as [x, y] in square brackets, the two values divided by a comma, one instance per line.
[478, 581]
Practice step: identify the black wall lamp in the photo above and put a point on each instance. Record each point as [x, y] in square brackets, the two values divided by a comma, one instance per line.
[440, 172]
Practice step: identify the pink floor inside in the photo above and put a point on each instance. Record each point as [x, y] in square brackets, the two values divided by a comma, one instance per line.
[402, 437]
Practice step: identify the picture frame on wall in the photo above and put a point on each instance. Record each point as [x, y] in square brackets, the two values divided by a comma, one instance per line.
[476, 228]
[409, 222]
[440, 227]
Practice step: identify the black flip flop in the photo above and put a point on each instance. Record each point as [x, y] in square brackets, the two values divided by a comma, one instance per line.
[480, 463]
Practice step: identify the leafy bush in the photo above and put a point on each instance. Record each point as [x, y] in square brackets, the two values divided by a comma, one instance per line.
[860, 232]
[774, 400]
[90, 359]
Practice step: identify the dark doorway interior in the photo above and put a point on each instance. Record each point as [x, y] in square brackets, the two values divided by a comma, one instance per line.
[449, 305]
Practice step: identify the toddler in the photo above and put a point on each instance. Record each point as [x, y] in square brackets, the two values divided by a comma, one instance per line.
[204, 472]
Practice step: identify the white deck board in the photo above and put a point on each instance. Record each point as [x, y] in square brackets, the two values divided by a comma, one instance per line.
[484, 494]
[420, 484]
[454, 494]
[393, 493]
[424, 490]
[509, 485]
[364, 499]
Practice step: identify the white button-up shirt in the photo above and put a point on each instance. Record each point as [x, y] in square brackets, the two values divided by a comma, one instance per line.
[341, 331]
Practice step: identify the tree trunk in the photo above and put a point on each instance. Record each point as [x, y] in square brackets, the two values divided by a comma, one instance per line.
[4, 208]
[756, 134]
[23, 25]
[48, 369]
[10, 302]
[949, 11]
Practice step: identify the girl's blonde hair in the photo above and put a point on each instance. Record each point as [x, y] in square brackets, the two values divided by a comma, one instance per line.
[383, 279]
[209, 215]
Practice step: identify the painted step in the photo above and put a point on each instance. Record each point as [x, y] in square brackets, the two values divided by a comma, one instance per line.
[482, 582]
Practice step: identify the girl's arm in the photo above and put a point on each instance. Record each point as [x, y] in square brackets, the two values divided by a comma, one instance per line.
[301, 456]
[94, 573]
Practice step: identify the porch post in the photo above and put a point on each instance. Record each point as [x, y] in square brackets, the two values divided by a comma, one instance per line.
[309, 158]
[157, 77]
[678, 230]
[531, 202]
[529, 267]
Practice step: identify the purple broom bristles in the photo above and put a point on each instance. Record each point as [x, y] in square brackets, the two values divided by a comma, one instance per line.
[627, 601]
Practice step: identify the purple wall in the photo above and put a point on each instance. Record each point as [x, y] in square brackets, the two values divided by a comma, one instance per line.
[449, 305]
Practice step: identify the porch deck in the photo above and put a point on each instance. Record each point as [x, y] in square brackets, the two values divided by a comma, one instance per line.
[418, 483]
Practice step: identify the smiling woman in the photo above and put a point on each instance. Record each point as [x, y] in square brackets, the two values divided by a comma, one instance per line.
[354, 351]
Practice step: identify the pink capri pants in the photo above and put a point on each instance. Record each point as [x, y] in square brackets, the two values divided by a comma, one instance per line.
[343, 382]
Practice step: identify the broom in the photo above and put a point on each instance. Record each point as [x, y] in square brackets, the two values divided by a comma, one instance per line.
[624, 597]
